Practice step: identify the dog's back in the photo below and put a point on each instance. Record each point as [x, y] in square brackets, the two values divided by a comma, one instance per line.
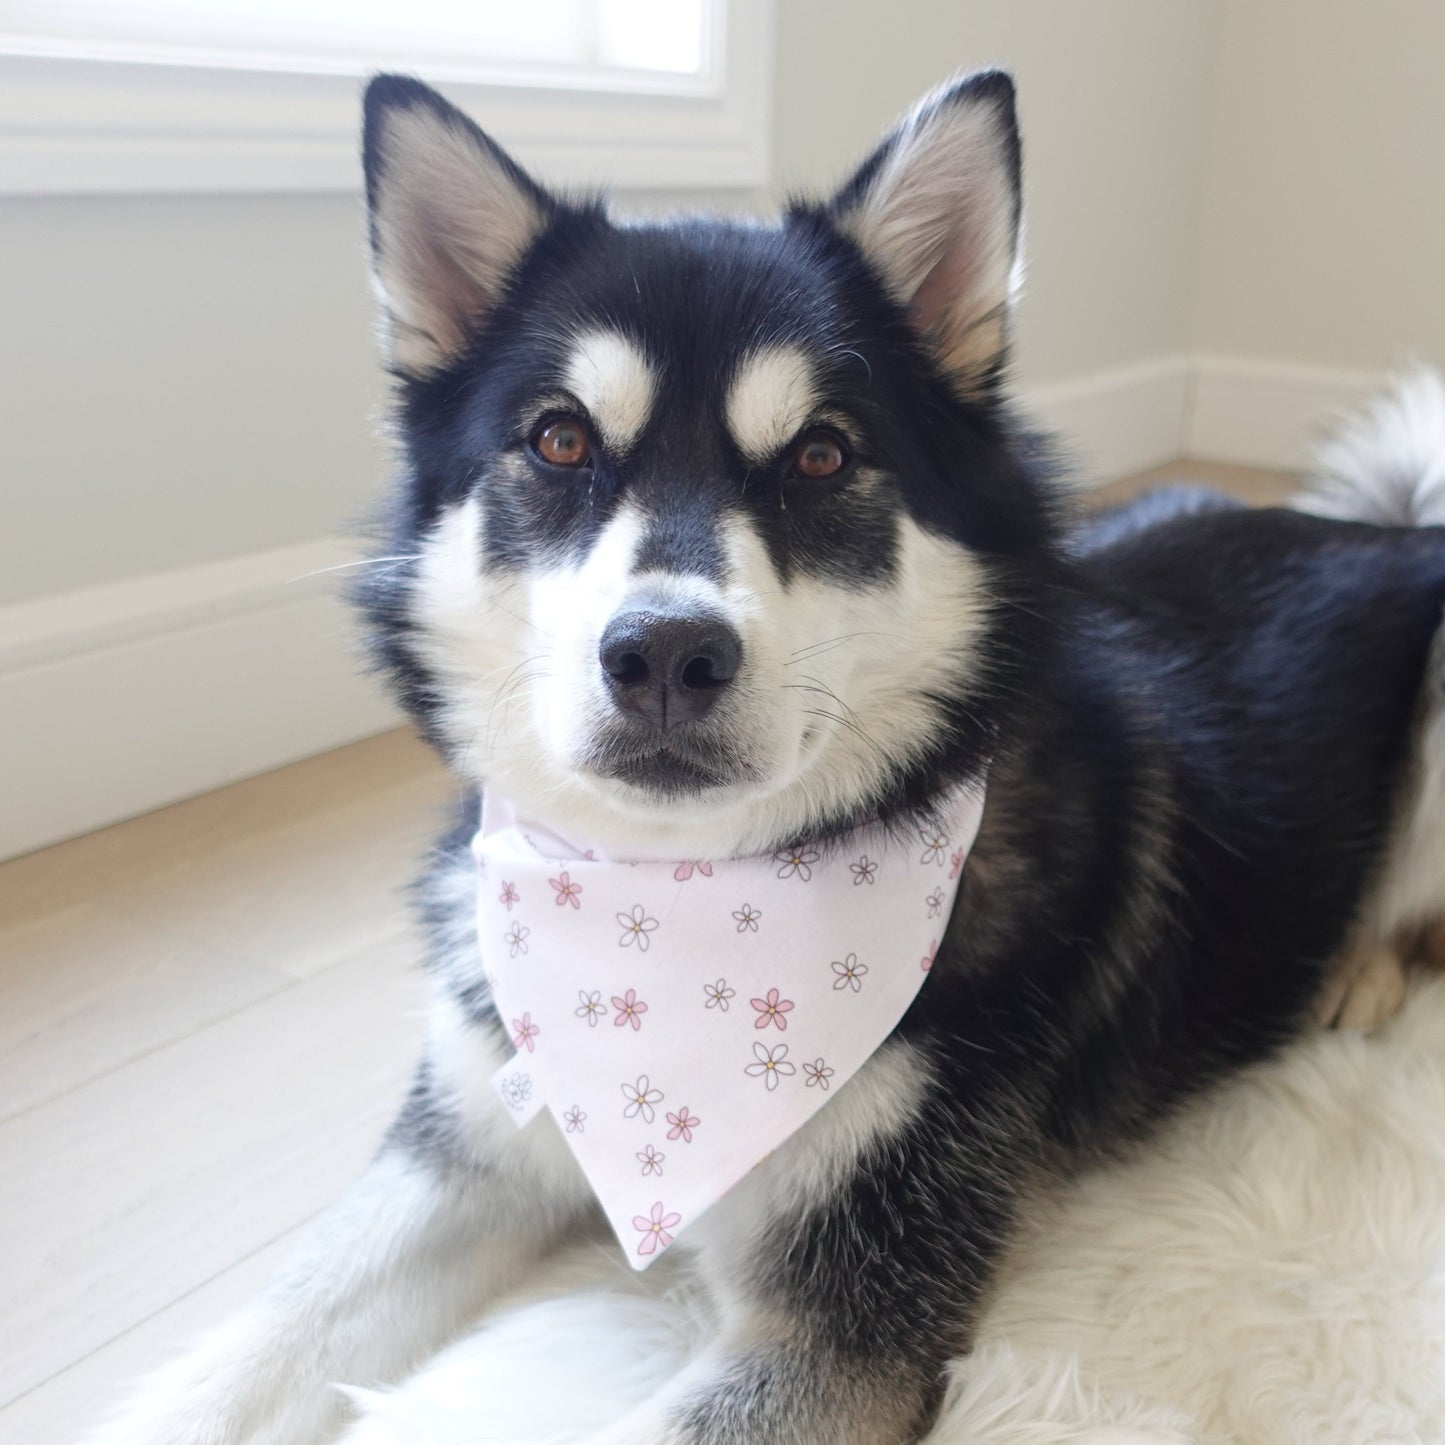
[1294, 669]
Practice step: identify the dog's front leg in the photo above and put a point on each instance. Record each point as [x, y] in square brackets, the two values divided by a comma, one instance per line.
[848, 1270]
[456, 1206]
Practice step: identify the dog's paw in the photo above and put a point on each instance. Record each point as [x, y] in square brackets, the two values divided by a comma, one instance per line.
[1367, 989]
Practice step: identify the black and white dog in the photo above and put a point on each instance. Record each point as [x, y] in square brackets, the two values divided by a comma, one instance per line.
[1211, 736]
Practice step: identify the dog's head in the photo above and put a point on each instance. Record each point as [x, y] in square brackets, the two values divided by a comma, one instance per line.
[711, 533]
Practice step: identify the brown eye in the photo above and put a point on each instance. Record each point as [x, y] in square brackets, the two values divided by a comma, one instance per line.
[563, 443]
[818, 456]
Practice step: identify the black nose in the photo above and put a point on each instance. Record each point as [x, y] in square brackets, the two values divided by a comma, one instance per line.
[668, 667]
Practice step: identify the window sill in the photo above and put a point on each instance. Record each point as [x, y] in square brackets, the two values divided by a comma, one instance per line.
[96, 127]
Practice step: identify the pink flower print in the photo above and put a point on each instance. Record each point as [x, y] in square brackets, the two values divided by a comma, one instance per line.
[641, 1097]
[865, 870]
[526, 1033]
[684, 871]
[796, 862]
[771, 1010]
[575, 1120]
[591, 1008]
[935, 845]
[654, 1229]
[927, 959]
[718, 994]
[630, 1009]
[566, 890]
[747, 917]
[683, 1123]
[651, 1160]
[771, 1064]
[509, 895]
[818, 1073]
[635, 928]
[956, 863]
[935, 903]
[850, 974]
[516, 938]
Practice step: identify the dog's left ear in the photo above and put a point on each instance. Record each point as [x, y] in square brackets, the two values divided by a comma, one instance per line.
[936, 209]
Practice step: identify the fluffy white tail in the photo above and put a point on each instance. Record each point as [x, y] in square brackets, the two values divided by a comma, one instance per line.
[1386, 465]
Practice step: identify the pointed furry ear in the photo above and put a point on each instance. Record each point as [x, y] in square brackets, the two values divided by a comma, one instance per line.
[451, 215]
[937, 211]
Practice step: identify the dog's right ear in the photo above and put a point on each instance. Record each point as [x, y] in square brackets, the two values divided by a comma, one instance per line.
[450, 217]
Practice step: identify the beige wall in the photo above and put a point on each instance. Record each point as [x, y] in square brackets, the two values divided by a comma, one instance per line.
[1324, 214]
[183, 379]
[193, 378]
[1113, 104]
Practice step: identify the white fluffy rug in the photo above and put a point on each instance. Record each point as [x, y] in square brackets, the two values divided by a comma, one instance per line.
[1270, 1272]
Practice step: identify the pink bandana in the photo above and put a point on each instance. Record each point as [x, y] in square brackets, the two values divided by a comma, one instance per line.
[680, 1020]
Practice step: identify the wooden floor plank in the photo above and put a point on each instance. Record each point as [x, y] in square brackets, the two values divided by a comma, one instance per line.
[87, 990]
[86, 869]
[128, 1192]
[58, 1410]
[227, 919]
[1255, 485]
[300, 897]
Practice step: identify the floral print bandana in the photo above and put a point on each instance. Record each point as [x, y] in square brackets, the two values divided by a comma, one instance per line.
[681, 1020]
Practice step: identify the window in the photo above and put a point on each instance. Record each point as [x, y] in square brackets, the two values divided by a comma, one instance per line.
[618, 44]
[261, 94]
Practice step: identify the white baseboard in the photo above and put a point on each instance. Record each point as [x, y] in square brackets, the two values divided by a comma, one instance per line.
[1117, 421]
[1266, 413]
[1215, 408]
[121, 699]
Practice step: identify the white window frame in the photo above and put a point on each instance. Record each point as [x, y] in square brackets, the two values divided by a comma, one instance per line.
[81, 125]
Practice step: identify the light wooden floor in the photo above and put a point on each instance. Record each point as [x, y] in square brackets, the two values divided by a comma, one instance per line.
[1252, 484]
[207, 1015]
